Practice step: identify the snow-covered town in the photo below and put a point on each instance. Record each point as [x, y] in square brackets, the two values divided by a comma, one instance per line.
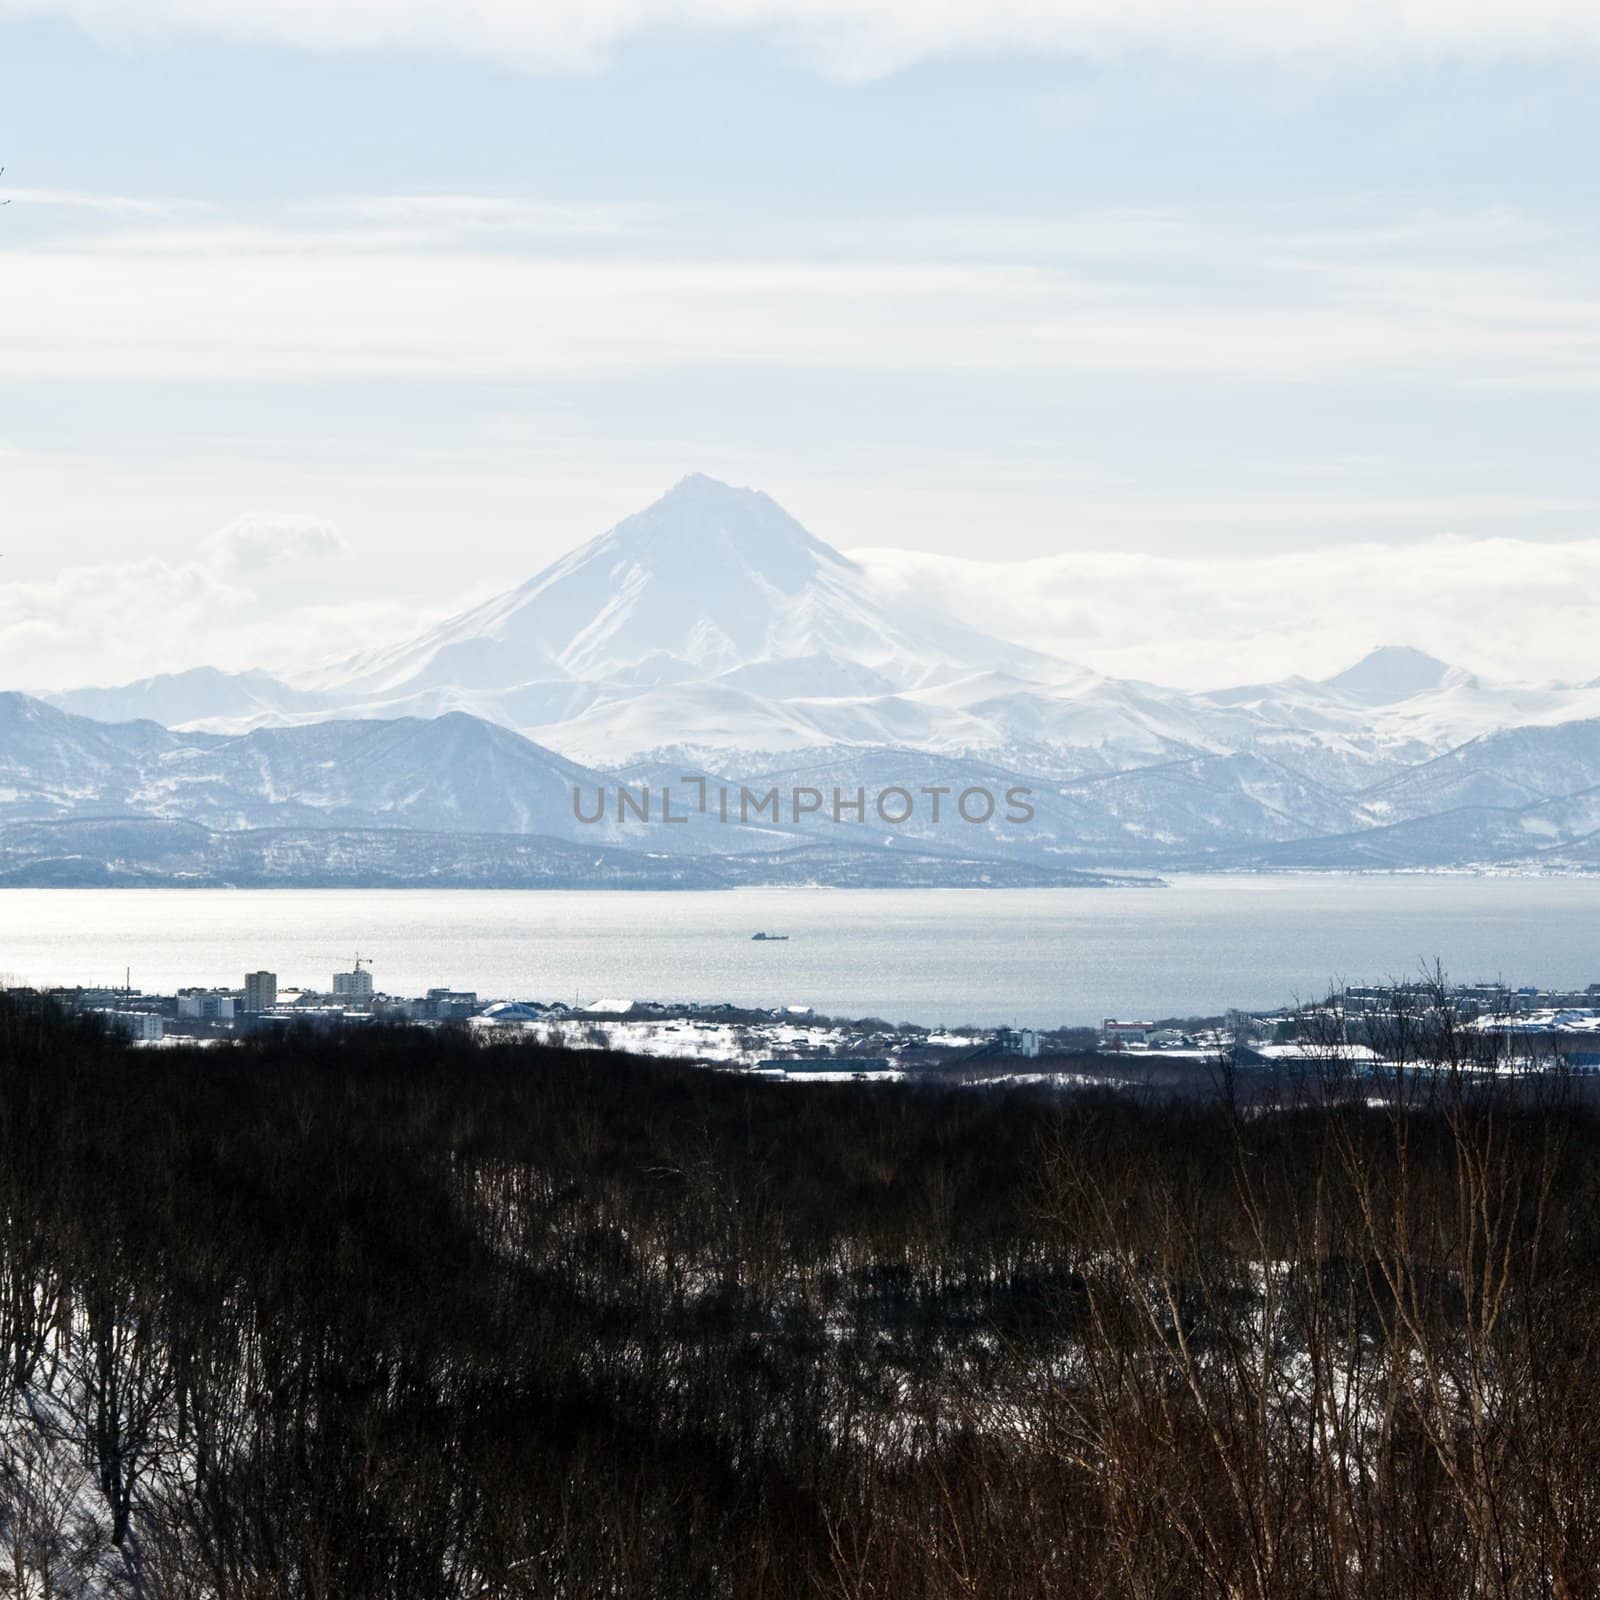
[780, 1041]
[1362, 1025]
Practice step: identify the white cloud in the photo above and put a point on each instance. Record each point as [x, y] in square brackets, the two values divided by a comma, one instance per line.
[867, 36]
[455, 214]
[111, 205]
[501, 286]
[1487, 604]
[241, 601]
[271, 547]
[1512, 609]
[184, 303]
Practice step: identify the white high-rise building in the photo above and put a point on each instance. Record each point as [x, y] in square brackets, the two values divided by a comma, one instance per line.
[355, 987]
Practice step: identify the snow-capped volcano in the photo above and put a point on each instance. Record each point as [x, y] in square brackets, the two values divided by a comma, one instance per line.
[710, 582]
[711, 631]
[1392, 673]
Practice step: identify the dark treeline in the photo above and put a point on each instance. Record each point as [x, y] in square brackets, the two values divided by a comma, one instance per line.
[400, 1314]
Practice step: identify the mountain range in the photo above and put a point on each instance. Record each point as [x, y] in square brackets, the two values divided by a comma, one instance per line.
[712, 635]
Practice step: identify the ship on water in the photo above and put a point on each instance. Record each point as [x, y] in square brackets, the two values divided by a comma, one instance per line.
[770, 938]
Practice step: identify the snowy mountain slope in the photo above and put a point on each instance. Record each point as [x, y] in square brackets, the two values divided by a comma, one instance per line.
[713, 626]
[1509, 769]
[1117, 819]
[201, 694]
[452, 774]
[1523, 797]
[1357, 745]
[52, 762]
[1393, 673]
[1301, 715]
[1475, 837]
[448, 777]
[707, 580]
[712, 622]
[1471, 709]
[713, 633]
[1213, 802]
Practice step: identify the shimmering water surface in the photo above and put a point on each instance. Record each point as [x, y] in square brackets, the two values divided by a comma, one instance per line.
[1027, 955]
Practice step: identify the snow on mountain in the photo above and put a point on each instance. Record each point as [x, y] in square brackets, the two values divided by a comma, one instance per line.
[1176, 808]
[52, 762]
[202, 694]
[373, 790]
[712, 623]
[450, 774]
[713, 626]
[712, 631]
[708, 580]
[1393, 673]
[1472, 709]
[1351, 719]
[460, 800]
[1505, 770]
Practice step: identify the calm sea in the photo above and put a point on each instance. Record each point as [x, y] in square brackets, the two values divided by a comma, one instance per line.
[932, 956]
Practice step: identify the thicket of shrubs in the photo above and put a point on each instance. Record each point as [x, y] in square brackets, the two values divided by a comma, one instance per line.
[398, 1314]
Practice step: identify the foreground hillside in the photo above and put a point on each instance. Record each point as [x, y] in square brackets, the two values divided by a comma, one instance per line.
[403, 1316]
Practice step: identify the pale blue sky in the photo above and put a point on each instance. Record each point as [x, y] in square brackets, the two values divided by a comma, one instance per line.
[1209, 299]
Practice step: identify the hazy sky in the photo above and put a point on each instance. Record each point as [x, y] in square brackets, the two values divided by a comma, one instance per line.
[1278, 332]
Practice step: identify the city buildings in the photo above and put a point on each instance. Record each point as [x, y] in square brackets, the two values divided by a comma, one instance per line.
[144, 1027]
[1017, 1042]
[355, 988]
[260, 991]
[206, 1005]
[1119, 1035]
[449, 1005]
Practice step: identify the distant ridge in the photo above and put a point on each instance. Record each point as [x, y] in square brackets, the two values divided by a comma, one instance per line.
[712, 633]
[713, 627]
[459, 801]
[448, 800]
[1392, 673]
[200, 694]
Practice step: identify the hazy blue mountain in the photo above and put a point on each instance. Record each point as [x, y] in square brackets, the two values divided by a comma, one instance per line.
[198, 695]
[712, 634]
[713, 628]
[1511, 769]
[52, 762]
[147, 852]
[1393, 673]
[342, 802]
[142, 852]
[713, 625]
[87, 801]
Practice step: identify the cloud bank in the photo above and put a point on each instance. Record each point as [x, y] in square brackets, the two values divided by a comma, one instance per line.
[265, 547]
[273, 591]
[865, 37]
[263, 591]
[280, 305]
[1485, 604]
